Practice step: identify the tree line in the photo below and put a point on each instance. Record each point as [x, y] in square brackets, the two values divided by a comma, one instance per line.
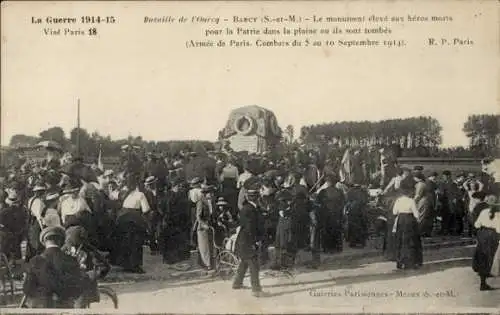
[91, 143]
[483, 131]
[408, 133]
[417, 136]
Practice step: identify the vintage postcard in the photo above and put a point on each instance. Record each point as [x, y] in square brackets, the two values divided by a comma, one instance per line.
[250, 156]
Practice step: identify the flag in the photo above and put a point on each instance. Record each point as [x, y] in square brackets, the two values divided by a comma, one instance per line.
[99, 160]
[345, 167]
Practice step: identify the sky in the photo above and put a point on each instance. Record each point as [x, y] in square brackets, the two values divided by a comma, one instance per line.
[140, 79]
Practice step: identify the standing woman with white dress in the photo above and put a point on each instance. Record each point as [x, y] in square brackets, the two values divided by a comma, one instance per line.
[131, 228]
[408, 243]
[488, 230]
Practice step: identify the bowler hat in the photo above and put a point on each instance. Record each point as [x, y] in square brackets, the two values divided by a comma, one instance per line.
[447, 173]
[52, 231]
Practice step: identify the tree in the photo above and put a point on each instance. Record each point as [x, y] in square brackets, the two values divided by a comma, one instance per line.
[55, 134]
[410, 133]
[21, 140]
[483, 131]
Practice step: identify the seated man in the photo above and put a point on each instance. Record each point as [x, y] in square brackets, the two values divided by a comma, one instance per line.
[54, 279]
[89, 258]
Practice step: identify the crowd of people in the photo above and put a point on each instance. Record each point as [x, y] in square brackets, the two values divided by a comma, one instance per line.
[192, 202]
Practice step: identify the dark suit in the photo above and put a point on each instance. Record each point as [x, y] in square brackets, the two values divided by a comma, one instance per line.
[332, 201]
[246, 247]
[14, 219]
[54, 273]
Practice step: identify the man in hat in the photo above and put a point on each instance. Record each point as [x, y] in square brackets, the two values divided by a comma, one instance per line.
[176, 226]
[478, 200]
[14, 219]
[195, 194]
[228, 179]
[249, 239]
[485, 177]
[54, 279]
[331, 201]
[284, 240]
[36, 207]
[249, 171]
[449, 193]
[301, 214]
[73, 207]
[156, 202]
[156, 167]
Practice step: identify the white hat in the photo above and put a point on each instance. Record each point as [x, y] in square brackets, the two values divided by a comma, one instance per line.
[39, 187]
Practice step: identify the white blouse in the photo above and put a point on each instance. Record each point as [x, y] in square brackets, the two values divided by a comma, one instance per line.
[36, 207]
[483, 220]
[195, 195]
[71, 206]
[405, 204]
[136, 200]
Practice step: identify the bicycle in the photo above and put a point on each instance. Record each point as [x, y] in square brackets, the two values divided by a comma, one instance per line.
[226, 261]
[105, 293]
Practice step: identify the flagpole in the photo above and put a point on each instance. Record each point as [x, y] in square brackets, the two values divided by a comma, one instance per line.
[78, 129]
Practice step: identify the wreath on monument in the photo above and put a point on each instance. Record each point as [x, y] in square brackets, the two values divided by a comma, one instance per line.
[244, 125]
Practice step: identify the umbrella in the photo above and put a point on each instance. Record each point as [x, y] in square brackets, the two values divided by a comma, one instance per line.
[80, 170]
[50, 145]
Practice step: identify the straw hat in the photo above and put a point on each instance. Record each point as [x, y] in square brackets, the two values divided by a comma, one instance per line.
[221, 202]
[39, 187]
[150, 180]
[52, 231]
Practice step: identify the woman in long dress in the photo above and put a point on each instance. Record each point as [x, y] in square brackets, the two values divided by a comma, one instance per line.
[488, 229]
[407, 236]
[131, 228]
[204, 233]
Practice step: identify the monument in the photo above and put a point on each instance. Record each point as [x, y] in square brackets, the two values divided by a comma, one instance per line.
[251, 128]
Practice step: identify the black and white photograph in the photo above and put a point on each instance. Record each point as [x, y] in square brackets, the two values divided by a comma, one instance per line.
[250, 157]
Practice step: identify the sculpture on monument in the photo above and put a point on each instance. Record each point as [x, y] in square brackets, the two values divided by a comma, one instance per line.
[251, 128]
